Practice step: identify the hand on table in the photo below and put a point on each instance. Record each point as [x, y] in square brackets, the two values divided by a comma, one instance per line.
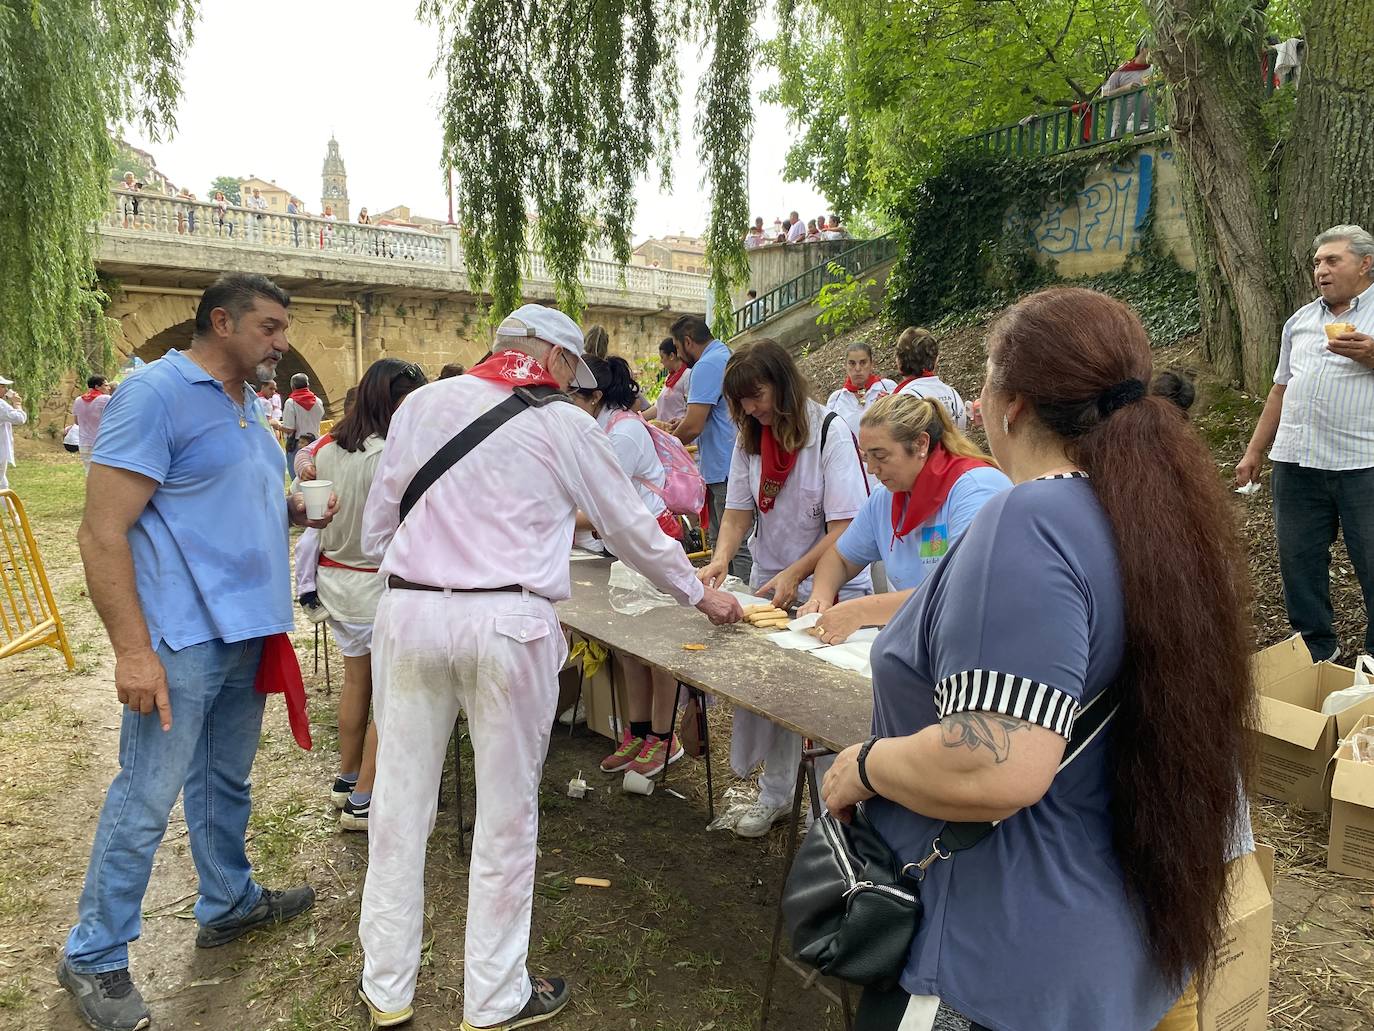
[141, 684]
[720, 607]
[814, 605]
[838, 622]
[1358, 347]
[782, 587]
[713, 574]
[842, 789]
[295, 507]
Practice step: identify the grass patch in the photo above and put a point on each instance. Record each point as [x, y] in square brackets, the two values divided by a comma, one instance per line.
[13, 994]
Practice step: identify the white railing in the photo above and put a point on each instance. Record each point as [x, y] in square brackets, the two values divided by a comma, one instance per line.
[148, 214]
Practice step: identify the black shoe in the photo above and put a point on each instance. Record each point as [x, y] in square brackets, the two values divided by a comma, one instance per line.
[354, 817]
[108, 1001]
[548, 996]
[339, 793]
[275, 907]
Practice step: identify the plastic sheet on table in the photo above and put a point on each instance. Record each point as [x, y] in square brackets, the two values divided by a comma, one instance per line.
[632, 594]
[850, 656]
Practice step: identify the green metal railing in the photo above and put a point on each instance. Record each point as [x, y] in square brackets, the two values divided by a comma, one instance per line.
[801, 289]
[1088, 124]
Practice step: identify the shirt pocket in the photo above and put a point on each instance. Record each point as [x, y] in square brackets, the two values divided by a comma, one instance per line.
[520, 626]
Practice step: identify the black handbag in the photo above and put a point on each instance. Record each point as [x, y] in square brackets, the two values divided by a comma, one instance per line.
[850, 905]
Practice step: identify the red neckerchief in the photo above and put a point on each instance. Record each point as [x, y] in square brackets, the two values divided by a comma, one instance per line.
[912, 508]
[1133, 66]
[673, 377]
[849, 384]
[305, 397]
[514, 369]
[925, 374]
[776, 465]
[279, 672]
[92, 394]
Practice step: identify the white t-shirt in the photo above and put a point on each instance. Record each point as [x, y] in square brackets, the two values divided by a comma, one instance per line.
[634, 450]
[672, 401]
[937, 390]
[299, 422]
[819, 489]
[348, 595]
[849, 407]
[797, 233]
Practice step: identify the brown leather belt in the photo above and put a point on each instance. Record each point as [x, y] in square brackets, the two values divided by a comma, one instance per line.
[399, 584]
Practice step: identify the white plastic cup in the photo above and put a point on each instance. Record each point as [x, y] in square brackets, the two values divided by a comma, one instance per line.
[637, 783]
[317, 497]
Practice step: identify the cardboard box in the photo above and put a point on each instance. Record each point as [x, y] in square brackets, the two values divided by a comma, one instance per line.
[1351, 848]
[1296, 740]
[596, 694]
[1238, 999]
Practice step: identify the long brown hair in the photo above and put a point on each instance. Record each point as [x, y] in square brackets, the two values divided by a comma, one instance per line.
[1181, 742]
[749, 368]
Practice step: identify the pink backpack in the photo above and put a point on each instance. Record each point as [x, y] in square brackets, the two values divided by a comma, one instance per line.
[684, 491]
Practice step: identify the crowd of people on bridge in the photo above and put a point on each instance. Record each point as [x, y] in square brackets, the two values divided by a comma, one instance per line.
[794, 229]
[1073, 570]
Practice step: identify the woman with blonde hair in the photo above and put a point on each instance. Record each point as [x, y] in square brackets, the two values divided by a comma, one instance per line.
[918, 356]
[796, 481]
[932, 482]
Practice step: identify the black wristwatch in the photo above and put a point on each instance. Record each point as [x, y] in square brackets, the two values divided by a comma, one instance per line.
[863, 758]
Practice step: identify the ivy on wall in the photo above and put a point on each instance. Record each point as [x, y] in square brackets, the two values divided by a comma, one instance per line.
[966, 246]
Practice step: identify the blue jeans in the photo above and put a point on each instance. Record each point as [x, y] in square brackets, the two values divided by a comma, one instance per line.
[207, 756]
[1309, 506]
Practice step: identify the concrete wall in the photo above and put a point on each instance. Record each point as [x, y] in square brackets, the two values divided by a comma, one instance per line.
[777, 263]
[1096, 231]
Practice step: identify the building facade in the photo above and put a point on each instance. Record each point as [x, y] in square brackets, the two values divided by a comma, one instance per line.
[334, 188]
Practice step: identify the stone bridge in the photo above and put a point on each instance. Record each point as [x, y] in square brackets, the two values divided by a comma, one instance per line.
[359, 292]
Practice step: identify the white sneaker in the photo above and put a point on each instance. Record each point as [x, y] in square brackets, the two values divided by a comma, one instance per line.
[760, 819]
[569, 717]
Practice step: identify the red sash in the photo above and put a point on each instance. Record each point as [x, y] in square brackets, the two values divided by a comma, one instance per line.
[849, 385]
[280, 673]
[925, 374]
[776, 466]
[514, 369]
[673, 377]
[305, 397]
[912, 508]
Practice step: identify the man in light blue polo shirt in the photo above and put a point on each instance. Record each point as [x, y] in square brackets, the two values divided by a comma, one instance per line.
[707, 422]
[184, 542]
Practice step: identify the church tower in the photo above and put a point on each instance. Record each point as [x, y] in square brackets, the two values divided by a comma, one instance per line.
[334, 192]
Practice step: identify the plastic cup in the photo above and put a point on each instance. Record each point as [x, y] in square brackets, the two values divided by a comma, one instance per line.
[317, 497]
[1335, 329]
[637, 783]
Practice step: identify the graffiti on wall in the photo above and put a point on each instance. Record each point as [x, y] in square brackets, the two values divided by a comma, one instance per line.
[1105, 216]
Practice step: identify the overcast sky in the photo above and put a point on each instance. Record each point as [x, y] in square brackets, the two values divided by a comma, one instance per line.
[267, 82]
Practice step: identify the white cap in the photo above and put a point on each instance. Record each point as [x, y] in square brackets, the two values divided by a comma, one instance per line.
[6, 382]
[553, 327]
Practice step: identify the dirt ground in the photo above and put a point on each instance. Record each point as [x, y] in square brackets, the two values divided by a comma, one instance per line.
[678, 941]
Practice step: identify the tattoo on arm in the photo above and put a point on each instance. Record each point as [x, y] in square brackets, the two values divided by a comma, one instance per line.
[975, 730]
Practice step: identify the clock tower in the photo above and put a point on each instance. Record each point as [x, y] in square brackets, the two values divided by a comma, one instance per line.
[334, 191]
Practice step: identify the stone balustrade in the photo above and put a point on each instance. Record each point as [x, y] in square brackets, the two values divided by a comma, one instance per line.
[148, 216]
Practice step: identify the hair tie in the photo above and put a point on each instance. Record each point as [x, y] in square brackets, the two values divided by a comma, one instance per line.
[1124, 393]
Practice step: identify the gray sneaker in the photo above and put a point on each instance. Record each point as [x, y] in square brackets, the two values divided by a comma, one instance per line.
[108, 1001]
[275, 907]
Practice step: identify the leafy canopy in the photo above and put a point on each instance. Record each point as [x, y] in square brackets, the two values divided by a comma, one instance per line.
[879, 88]
[229, 185]
[70, 71]
[552, 111]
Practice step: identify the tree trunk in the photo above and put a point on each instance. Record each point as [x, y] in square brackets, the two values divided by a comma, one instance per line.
[1327, 173]
[1219, 134]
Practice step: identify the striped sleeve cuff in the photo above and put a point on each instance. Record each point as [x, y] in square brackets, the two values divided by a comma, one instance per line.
[982, 690]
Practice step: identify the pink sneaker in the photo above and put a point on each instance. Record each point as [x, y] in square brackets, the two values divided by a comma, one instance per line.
[623, 756]
[654, 756]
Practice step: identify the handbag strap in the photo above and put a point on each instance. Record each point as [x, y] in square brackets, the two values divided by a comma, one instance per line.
[470, 436]
[956, 837]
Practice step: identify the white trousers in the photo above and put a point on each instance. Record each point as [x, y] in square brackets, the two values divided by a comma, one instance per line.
[497, 657]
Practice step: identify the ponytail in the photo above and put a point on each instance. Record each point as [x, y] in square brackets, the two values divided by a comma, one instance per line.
[1181, 741]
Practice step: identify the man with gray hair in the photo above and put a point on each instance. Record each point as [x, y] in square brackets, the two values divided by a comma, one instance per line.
[473, 535]
[1319, 417]
[301, 416]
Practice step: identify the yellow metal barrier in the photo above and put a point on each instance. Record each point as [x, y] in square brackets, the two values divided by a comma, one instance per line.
[28, 612]
[326, 426]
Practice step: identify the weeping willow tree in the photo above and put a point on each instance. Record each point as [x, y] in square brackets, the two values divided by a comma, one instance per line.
[556, 108]
[70, 72]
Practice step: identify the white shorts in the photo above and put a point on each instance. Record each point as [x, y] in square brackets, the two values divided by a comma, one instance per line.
[353, 639]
